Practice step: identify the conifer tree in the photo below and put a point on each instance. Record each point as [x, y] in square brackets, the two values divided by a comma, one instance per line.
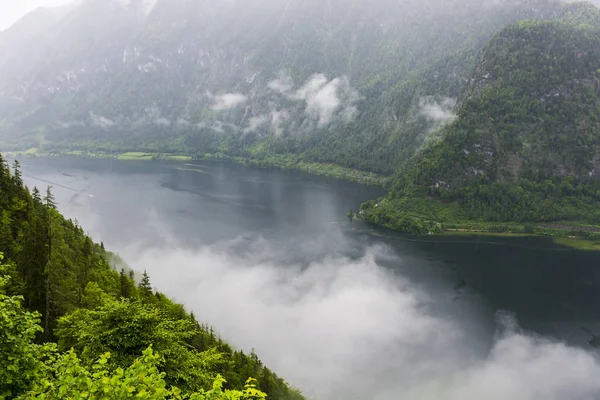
[17, 177]
[145, 286]
[126, 285]
[37, 198]
[49, 199]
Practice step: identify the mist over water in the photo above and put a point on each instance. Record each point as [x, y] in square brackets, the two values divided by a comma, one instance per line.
[344, 328]
[268, 259]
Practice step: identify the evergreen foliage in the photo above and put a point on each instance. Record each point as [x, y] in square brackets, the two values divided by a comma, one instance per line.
[145, 287]
[63, 307]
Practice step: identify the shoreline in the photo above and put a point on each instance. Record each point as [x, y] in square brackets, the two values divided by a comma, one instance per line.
[573, 242]
[567, 233]
[422, 216]
[280, 162]
[577, 236]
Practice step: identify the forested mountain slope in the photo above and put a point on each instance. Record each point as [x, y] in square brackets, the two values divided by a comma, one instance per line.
[525, 145]
[72, 298]
[361, 84]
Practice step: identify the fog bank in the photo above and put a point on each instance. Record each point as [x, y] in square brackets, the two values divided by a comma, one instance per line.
[342, 328]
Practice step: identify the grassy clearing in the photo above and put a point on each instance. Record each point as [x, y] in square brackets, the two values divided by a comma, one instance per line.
[175, 157]
[579, 244]
[571, 242]
[485, 233]
[559, 237]
[138, 155]
[135, 155]
[567, 238]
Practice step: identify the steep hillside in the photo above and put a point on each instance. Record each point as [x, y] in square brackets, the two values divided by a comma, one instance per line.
[58, 287]
[525, 145]
[531, 110]
[344, 81]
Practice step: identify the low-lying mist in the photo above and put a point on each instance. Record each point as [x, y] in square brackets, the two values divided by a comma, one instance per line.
[342, 327]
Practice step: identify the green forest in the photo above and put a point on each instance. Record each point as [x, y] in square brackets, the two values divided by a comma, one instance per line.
[71, 326]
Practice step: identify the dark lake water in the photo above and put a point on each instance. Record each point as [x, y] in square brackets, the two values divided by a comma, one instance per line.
[293, 220]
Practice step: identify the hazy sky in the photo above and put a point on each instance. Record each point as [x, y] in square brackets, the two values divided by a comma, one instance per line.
[12, 10]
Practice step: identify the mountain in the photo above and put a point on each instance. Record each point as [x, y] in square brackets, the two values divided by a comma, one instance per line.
[525, 143]
[332, 81]
[531, 110]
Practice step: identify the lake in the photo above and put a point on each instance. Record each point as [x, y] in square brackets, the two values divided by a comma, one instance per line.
[271, 260]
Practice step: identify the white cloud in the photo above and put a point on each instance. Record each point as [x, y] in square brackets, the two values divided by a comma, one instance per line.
[324, 98]
[521, 367]
[283, 84]
[255, 123]
[227, 101]
[277, 118]
[70, 124]
[349, 113]
[218, 126]
[100, 121]
[350, 329]
[163, 121]
[437, 111]
[145, 6]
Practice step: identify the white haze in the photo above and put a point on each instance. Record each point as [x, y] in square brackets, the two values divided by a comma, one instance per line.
[324, 99]
[100, 121]
[277, 118]
[226, 101]
[12, 10]
[350, 329]
[145, 6]
[255, 123]
[273, 120]
[437, 111]
[283, 84]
